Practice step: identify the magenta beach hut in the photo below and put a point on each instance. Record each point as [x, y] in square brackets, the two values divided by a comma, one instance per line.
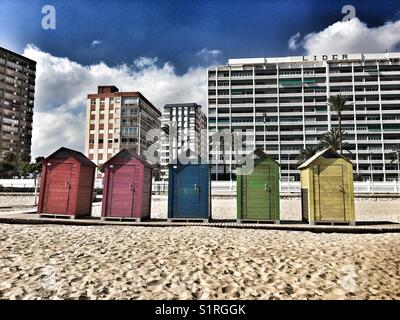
[127, 187]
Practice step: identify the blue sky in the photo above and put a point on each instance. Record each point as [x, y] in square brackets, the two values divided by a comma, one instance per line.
[175, 30]
[163, 48]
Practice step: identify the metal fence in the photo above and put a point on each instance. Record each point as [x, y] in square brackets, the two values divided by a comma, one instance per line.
[228, 187]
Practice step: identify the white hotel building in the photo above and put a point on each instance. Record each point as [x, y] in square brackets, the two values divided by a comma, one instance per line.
[283, 101]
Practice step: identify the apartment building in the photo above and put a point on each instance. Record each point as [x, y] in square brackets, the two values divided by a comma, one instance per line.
[282, 105]
[17, 93]
[117, 120]
[187, 129]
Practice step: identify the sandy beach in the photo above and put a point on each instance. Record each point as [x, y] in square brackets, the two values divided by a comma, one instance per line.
[112, 262]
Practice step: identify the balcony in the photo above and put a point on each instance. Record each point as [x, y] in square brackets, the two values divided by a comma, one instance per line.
[265, 77]
[290, 94]
[293, 142]
[268, 104]
[265, 86]
[239, 86]
[346, 83]
[266, 95]
[344, 74]
[390, 82]
[267, 133]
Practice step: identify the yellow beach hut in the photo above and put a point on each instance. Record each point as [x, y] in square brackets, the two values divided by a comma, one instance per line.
[327, 188]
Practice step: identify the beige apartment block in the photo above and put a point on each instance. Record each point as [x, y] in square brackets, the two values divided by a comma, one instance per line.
[116, 120]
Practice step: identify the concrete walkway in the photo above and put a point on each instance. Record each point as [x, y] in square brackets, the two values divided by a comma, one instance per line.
[31, 217]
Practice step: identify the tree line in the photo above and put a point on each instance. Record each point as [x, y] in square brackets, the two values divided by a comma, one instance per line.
[12, 165]
[335, 136]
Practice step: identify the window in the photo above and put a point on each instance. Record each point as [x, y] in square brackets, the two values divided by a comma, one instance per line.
[129, 131]
[130, 100]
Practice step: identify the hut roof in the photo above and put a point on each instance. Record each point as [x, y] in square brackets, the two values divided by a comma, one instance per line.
[130, 154]
[79, 156]
[326, 153]
[257, 153]
[190, 155]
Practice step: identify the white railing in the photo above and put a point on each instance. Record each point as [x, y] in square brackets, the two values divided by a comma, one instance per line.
[30, 183]
[229, 187]
[17, 183]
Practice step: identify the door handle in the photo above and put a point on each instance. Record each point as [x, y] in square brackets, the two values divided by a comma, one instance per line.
[131, 188]
[196, 187]
[267, 188]
[341, 189]
[67, 185]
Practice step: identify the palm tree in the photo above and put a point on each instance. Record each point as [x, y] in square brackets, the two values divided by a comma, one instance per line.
[173, 129]
[10, 157]
[165, 128]
[338, 104]
[306, 154]
[223, 155]
[333, 138]
[8, 163]
[395, 157]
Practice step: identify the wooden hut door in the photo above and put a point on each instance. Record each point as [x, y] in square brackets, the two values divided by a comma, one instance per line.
[259, 193]
[121, 194]
[331, 193]
[58, 188]
[188, 192]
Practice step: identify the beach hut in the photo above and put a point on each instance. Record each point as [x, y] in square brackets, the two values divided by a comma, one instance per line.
[189, 190]
[66, 185]
[127, 187]
[257, 188]
[327, 188]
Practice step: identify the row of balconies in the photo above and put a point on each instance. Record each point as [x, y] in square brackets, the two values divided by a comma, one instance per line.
[307, 113]
[298, 103]
[371, 112]
[319, 84]
[290, 75]
[308, 131]
[292, 153]
[300, 121]
[305, 94]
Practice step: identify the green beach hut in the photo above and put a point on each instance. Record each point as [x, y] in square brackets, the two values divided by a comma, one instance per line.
[258, 188]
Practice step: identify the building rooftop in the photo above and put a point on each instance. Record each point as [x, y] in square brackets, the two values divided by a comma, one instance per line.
[17, 54]
[310, 58]
[183, 105]
[113, 91]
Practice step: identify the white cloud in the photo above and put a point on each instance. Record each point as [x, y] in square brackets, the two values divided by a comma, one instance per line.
[55, 129]
[353, 36]
[209, 56]
[143, 62]
[96, 43]
[293, 41]
[62, 86]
